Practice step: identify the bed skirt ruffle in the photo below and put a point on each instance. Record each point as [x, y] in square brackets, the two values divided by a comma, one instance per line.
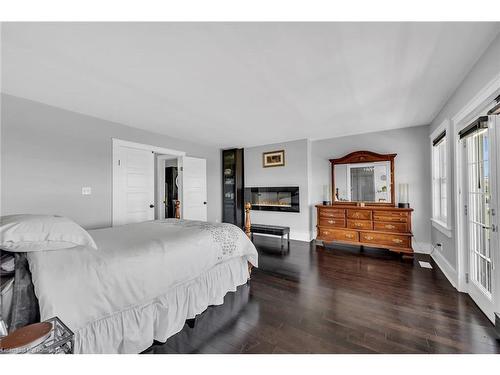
[133, 330]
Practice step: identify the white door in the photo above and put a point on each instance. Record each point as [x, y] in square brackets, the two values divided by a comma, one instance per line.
[134, 193]
[481, 223]
[194, 188]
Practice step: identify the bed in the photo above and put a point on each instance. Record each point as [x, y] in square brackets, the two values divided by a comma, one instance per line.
[142, 283]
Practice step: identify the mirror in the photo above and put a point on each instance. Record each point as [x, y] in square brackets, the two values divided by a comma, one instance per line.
[363, 176]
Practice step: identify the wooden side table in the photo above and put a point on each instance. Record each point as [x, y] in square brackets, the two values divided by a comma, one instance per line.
[59, 339]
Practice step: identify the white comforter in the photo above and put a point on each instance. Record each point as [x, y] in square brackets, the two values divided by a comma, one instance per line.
[134, 265]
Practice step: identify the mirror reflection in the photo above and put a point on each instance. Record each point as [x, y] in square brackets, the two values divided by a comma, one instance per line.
[363, 182]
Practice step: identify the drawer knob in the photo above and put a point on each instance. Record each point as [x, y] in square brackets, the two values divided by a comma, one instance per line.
[368, 238]
[325, 232]
[358, 224]
[389, 226]
[397, 240]
[331, 221]
[348, 235]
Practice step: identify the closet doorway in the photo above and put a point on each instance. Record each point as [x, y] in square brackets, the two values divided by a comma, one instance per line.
[168, 186]
[139, 183]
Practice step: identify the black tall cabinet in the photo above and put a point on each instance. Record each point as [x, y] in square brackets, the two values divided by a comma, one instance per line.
[233, 210]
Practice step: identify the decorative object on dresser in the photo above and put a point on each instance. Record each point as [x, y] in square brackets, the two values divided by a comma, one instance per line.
[273, 159]
[232, 187]
[404, 196]
[364, 212]
[326, 195]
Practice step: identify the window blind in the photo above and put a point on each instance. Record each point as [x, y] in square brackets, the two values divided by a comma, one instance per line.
[439, 138]
[480, 123]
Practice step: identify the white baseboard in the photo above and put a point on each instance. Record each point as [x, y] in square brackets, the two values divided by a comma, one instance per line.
[422, 247]
[301, 236]
[446, 267]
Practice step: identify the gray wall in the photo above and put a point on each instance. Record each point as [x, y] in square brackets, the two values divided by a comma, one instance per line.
[308, 167]
[48, 154]
[294, 173]
[412, 166]
[486, 68]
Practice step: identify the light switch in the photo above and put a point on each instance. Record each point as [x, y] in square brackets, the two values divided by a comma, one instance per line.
[86, 190]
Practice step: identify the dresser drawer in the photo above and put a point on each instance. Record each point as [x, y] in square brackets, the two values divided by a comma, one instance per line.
[385, 239]
[359, 214]
[388, 217]
[332, 222]
[329, 234]
[389, 213]
[360, 224]
[390, 227]
[332, 212]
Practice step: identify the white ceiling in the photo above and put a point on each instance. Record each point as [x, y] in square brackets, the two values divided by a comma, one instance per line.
[241, 84]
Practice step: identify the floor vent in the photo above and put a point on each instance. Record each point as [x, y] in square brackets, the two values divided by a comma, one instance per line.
[425, 264]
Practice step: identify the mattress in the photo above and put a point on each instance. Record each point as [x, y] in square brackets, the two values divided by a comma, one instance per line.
[142, 283]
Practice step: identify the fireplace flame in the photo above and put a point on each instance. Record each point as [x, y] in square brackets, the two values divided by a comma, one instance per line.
[272, 203]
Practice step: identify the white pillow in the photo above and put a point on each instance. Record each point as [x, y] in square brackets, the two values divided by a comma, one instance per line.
[26, 233]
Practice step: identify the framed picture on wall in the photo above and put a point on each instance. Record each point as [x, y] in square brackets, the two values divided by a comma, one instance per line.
[273, 159]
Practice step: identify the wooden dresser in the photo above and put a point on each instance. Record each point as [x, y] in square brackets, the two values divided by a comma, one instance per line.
[375, 226]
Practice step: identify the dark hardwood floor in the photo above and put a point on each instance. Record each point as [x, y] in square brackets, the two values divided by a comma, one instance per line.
[338, 299]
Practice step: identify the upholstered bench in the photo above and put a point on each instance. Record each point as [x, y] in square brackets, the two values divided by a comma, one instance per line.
[274, 230]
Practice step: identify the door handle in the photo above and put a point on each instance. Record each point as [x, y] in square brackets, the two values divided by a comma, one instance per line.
[204, 202]
[151, 205]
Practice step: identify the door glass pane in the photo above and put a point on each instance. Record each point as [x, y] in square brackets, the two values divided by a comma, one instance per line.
[479, 215]
[479, 219]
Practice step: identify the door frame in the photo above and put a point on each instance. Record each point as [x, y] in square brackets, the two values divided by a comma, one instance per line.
[478, 105]
[116, 143]
[484, 302]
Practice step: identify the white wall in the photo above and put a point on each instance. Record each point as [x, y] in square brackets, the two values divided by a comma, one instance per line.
[412, 166]
[482, 73]
[49, 154]
[294, 173]
[307, 166]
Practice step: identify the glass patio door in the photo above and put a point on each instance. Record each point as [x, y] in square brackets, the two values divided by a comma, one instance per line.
[481, 199]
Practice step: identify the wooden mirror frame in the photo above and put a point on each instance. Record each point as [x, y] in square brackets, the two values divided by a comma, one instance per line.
[364, 157]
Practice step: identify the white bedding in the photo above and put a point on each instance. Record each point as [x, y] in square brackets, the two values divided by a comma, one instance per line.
[142, 283]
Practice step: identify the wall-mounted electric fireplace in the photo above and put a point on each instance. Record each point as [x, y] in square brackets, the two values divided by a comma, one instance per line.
[273, 198]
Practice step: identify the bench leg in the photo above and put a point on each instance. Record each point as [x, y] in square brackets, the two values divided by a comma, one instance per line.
[281, 242]
[288, 241]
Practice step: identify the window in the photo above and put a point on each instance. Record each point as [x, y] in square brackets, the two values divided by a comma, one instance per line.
[440, 171]
[439, 209]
